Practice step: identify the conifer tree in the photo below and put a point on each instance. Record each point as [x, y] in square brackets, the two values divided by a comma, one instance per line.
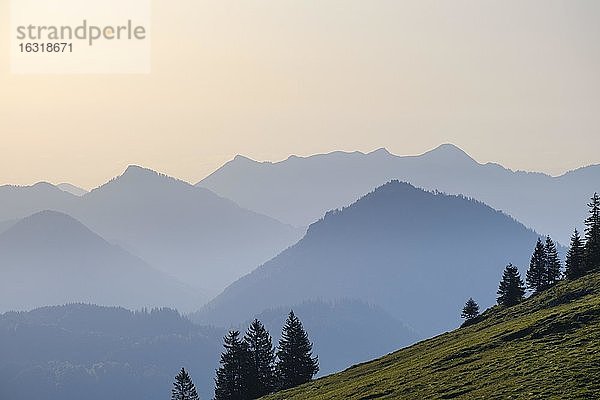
[536, 274]
[511, 289]
[183, 387]
[553, 265]
[232, 378]
[295, 363]
[470, 310]
[575, 266]
[261, 361]
[592, 235]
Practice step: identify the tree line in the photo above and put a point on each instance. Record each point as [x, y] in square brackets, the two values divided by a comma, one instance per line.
[250, 367]
[545, 268]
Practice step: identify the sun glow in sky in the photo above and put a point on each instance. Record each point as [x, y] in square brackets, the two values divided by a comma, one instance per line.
[509, 81]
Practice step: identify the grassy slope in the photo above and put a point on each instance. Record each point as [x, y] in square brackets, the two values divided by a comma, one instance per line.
[547, 347]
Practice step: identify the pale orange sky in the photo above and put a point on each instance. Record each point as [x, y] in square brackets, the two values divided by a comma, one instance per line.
[510, 81]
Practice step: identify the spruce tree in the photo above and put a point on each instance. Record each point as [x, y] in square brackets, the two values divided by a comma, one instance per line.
[183, 387]
[575, 266]
[295, 363]
[232, 378]
[470, 310]
[261, 360]
[592, 235]
[536, 274]
[553, 265]
[511, 289]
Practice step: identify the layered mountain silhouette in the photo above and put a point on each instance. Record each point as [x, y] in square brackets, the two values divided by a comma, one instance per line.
[416, 254]
[191, 233]
[51, 258]
[300, 190]
[18, 202]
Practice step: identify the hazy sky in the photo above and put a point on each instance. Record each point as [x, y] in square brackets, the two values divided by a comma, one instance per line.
[516, 82]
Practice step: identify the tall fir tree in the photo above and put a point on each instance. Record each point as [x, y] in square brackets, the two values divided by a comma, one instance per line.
[470, 310]
[536, 274]
[183, 387]
[261, 360]
[592, 235]
[511, 289]
[553, 265]
[295, 363]
[575, 262]
[232, 379]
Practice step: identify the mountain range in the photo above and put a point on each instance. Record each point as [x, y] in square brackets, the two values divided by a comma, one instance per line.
[18, 202]
[300, 190]
[198, 237]
[369, 276]
[51, 258]
[418, 255]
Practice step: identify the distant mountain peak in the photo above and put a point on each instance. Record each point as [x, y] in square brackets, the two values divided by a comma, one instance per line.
[39, 187]
[381, 151]
[136, 170]
[378, 248]
[136, 173]
[43, 184]
[449, 147]
[448, 152]
[140, 181]
[50, 217]
[241, 158]
[48, 225]
[49, 214]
